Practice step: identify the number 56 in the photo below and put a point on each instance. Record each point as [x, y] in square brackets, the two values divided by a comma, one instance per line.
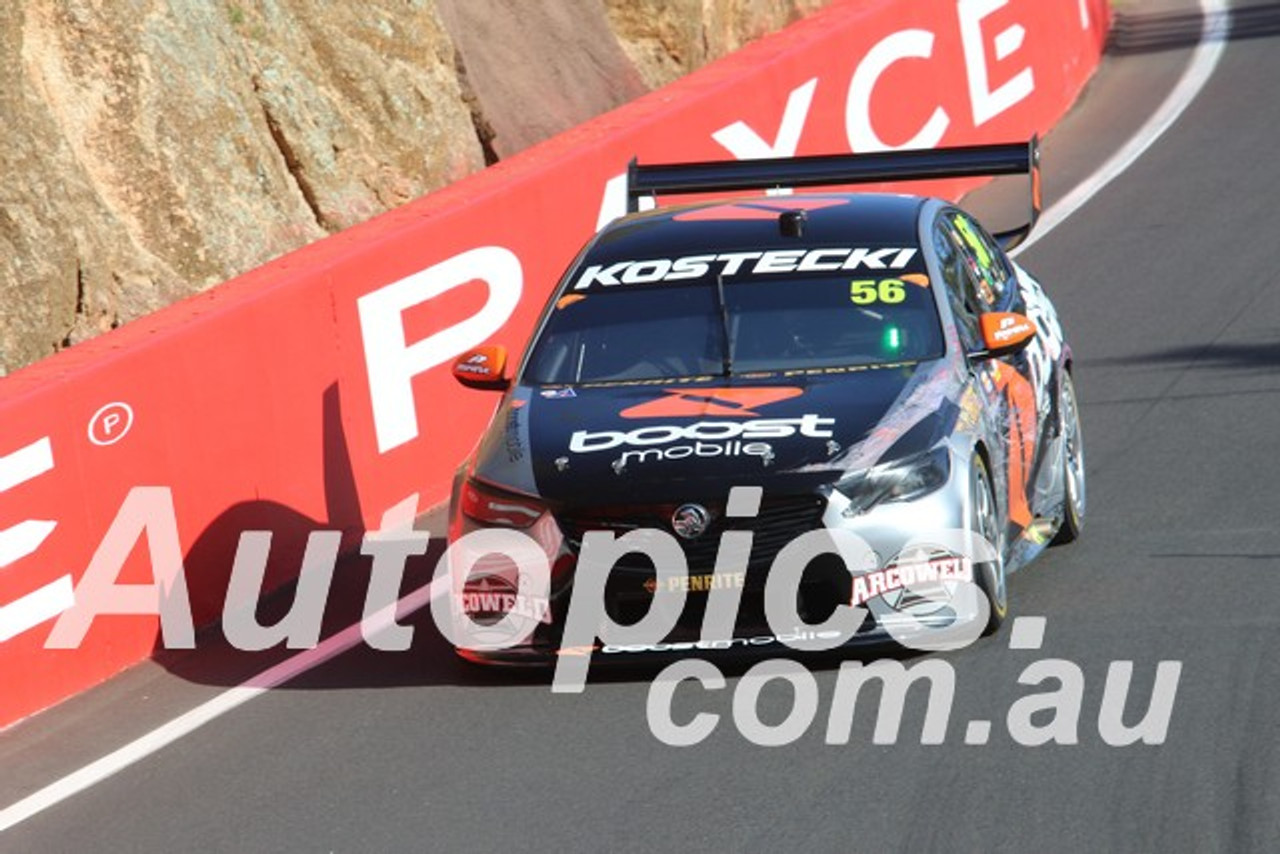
[870, 291]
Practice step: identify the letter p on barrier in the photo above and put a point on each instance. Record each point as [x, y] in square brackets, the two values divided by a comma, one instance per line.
[393, 362]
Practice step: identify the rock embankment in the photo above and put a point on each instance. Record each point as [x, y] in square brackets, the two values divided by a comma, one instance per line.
[154, 148]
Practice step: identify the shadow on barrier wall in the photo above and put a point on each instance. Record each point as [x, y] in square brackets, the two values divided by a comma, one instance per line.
[215, 661]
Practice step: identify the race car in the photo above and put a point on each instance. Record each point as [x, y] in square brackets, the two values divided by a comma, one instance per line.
[858, 391]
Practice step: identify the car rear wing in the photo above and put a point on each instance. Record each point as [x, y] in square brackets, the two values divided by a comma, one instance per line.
[970, 161]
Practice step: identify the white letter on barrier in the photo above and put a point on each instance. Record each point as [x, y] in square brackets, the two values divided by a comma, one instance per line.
[16, 542]
[392, 363]
[149, 510]
[907, 44]
[745, 144]
[986, 103]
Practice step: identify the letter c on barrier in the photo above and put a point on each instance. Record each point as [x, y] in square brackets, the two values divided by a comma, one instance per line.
[905, 44]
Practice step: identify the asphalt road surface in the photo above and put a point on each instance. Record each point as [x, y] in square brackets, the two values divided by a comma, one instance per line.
[1169, 284]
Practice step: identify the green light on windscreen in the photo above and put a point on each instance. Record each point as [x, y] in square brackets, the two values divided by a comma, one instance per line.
[892, 339]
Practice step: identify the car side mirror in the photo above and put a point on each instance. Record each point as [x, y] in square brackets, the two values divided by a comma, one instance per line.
[1004, 333]
[483, 368]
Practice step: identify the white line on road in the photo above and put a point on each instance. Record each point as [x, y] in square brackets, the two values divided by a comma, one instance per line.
[1213, 39]
[185, 724]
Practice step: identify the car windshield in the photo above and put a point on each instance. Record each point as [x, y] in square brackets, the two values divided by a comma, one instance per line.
[663, 331]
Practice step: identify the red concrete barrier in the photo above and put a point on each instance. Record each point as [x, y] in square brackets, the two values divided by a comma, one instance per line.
[314, 393]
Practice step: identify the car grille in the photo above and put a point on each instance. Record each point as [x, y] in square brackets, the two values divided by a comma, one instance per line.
[629, 591]
[780, 520]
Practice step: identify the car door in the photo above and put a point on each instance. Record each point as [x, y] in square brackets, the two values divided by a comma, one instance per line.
[979, 279]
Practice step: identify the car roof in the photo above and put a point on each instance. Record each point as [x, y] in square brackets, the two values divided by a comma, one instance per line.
[753, 224]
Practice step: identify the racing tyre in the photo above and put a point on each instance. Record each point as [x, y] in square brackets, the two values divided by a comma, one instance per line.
[1073, 498]
[985, 521]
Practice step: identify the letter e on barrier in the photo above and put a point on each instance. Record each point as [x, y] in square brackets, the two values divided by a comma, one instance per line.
[987, 102]
[22, 539]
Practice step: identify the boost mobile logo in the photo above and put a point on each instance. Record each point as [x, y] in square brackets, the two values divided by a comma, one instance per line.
[586, 441]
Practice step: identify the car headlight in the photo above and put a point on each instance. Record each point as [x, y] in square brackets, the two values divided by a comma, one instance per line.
[900, 480]
[493, 507]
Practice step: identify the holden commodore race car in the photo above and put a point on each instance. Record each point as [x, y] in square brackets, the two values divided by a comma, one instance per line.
[820, 406]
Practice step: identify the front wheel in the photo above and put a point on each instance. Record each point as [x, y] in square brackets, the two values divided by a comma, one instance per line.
[985, 522]
[1073, 492]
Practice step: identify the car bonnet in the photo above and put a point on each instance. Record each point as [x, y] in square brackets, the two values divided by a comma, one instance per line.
[639, 442]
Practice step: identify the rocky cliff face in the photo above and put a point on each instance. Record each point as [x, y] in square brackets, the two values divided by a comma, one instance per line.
[666, 39]
[154, 148]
